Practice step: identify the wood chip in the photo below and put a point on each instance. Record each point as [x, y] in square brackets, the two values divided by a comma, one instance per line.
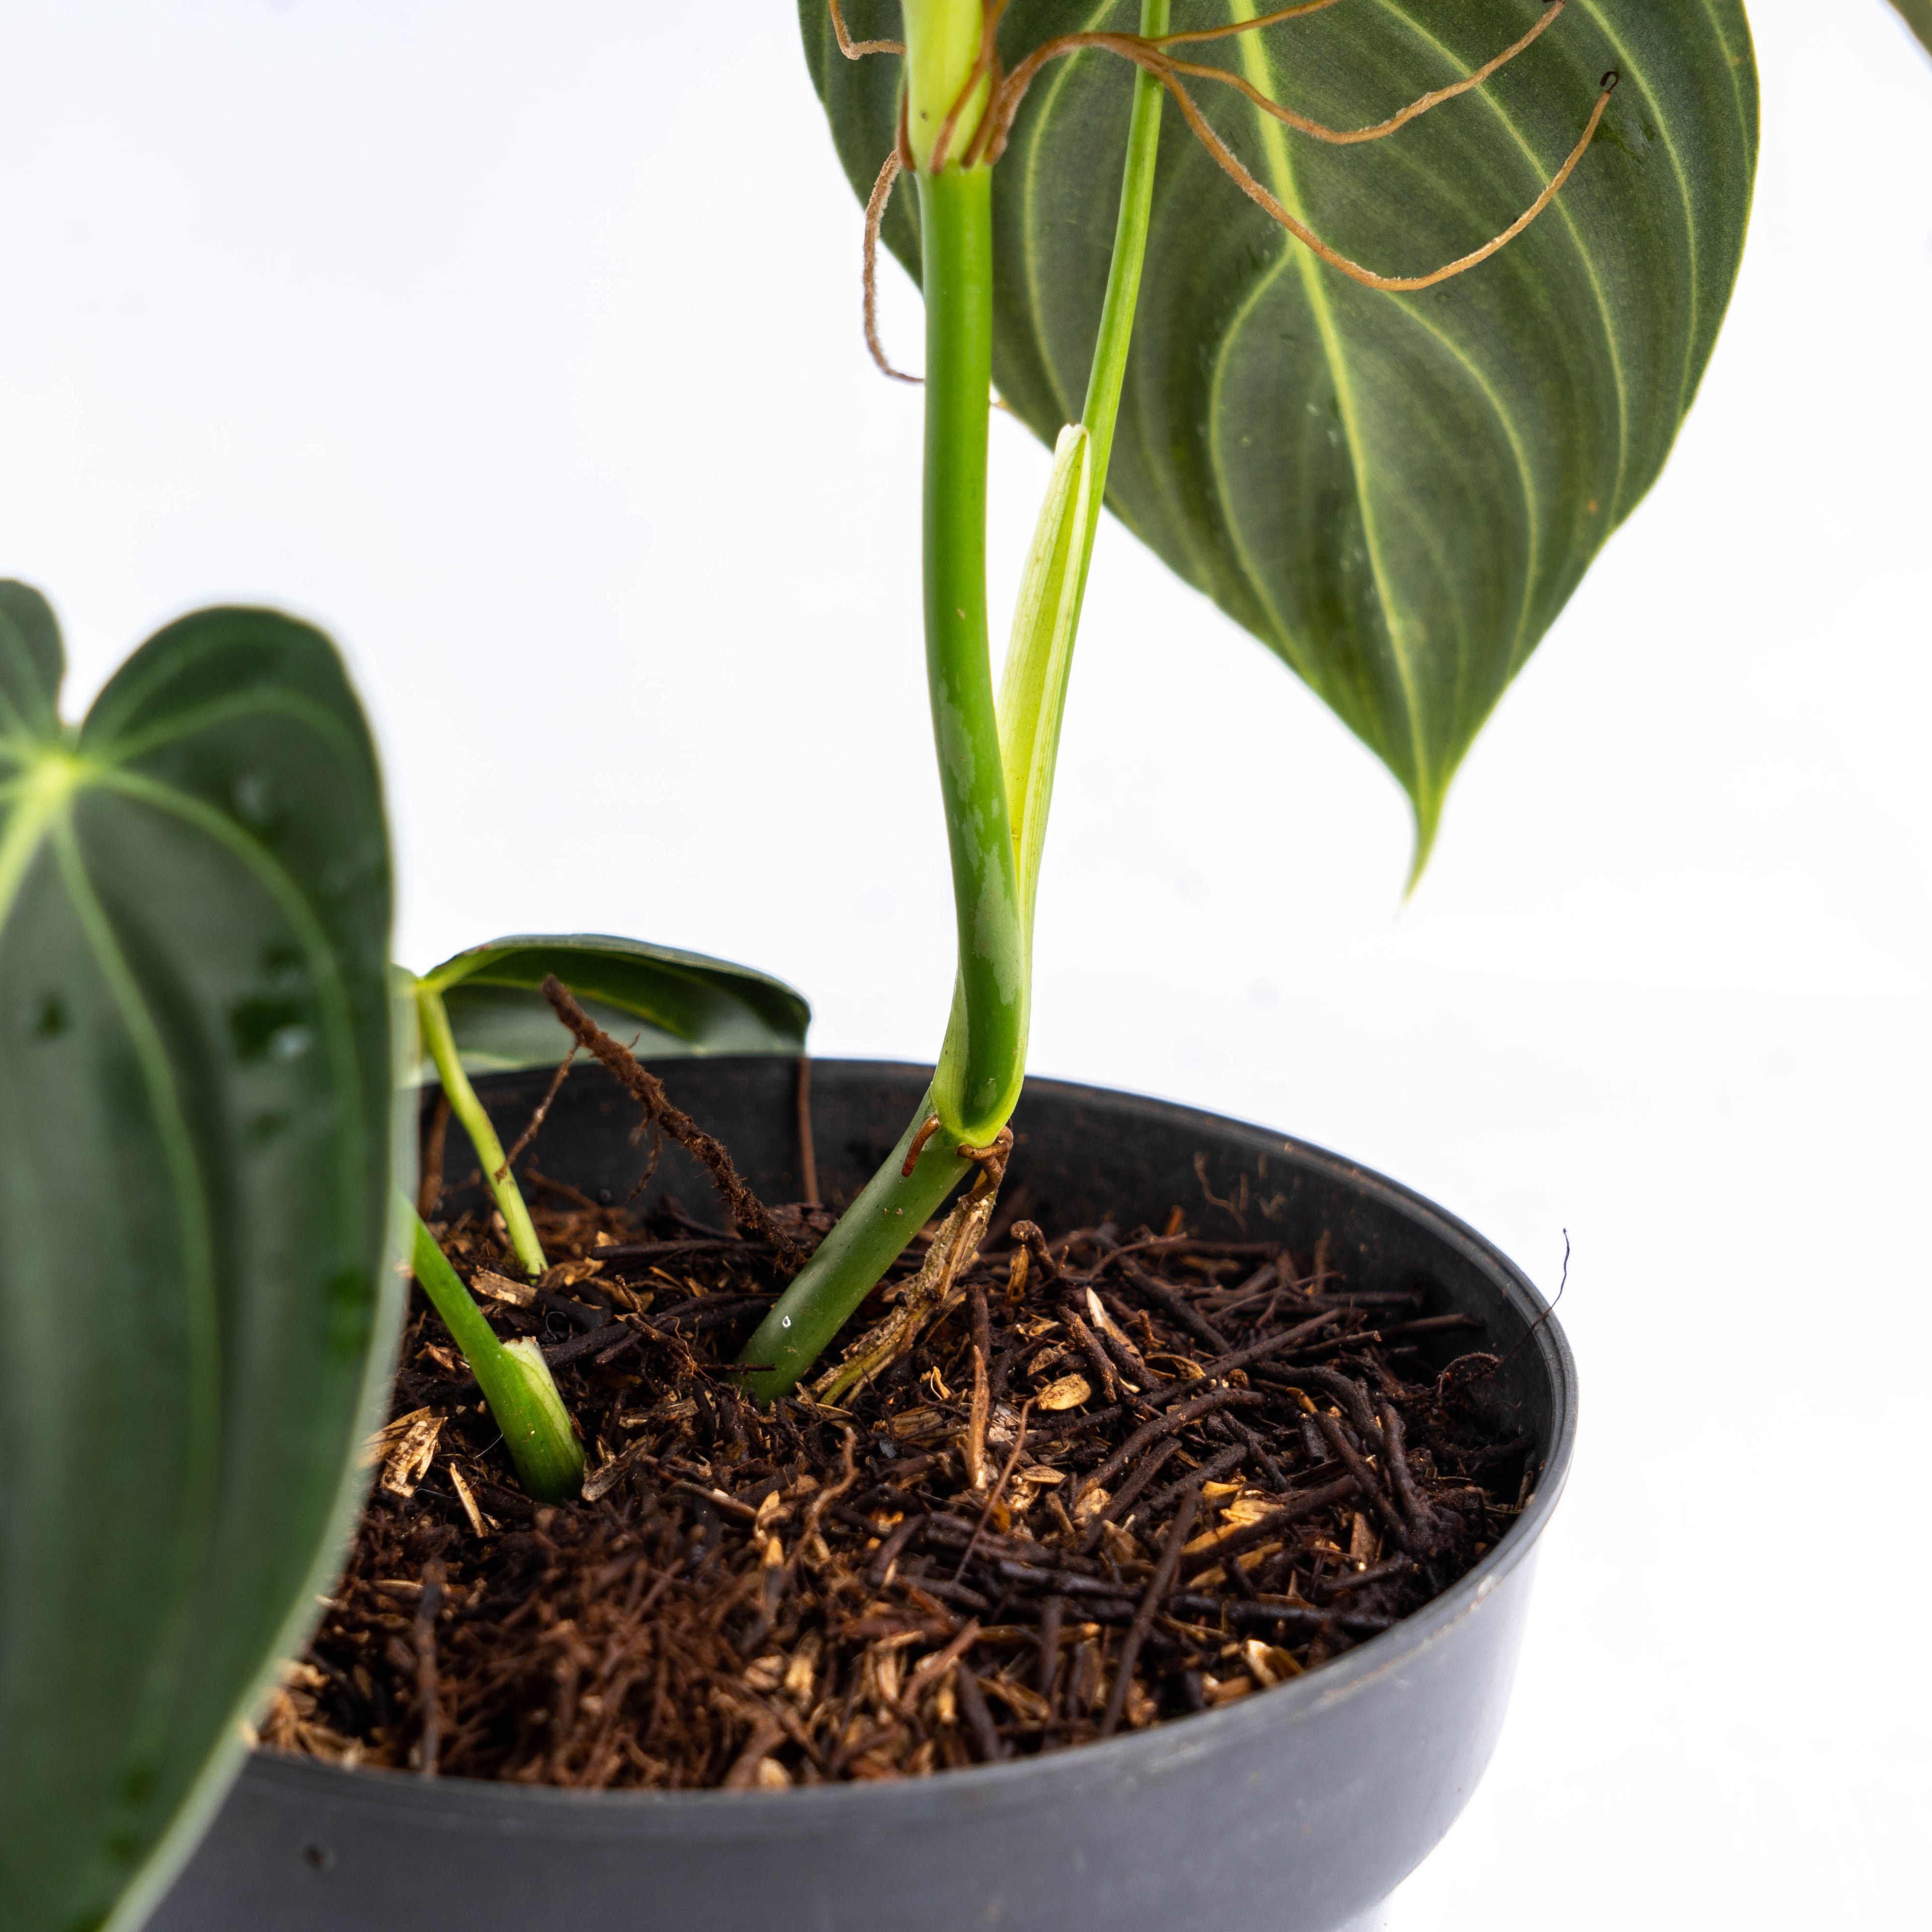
[1244, 1509]
[1069, 1392]
[600, 1481]
[1026, 1704]
[802, 1671]
[1364, 1545]
[1003, 1425]
[1268, 1663]
[916, 1424]
[761, 1640]
[467, 1500]
[671, 1409]
[409, 1459]
[378, 1446]
[501, 1288]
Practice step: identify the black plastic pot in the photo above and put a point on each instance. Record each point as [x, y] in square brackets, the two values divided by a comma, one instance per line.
[1297, 1809]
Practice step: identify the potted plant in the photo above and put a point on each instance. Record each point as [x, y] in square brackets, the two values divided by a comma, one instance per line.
[1394, 469]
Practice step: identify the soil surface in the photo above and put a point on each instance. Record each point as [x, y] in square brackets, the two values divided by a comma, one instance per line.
[1122, 1476]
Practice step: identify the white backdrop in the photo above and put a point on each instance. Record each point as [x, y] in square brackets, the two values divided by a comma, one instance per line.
[520, 349]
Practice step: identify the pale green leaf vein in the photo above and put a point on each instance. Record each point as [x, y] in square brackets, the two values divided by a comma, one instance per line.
[325, 971]
[1311, 269]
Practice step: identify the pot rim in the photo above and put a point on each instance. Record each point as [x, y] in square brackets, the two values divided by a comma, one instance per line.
[1031, 1780]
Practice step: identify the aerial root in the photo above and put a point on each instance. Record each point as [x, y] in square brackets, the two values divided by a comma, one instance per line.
[875, 215]
[1007, 91]
[1146, 54]
[1342, 137]
[1242, 26]
[1391, 284]
[928, 1129]
[991, 1160]
[858, 49]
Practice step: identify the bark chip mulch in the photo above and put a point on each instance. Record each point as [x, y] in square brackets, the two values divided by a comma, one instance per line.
[1120, 1478]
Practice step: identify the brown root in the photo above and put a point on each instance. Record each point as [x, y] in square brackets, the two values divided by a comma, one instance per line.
[875, 215]
[1148, 54]
[1344, 137]
[858, 49]
[744, 1206]
[1355, 271]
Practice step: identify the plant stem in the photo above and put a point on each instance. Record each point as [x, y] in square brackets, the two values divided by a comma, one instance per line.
[1109, 371]
[469, 1109]
[515, 1379]
[942, 40]
[870, 1235]
[983, 1063]
[984, 1060]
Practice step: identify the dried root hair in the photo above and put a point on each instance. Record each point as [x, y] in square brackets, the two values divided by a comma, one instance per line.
[1149, 53]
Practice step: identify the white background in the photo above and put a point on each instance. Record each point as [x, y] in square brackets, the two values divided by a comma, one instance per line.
[520, 348]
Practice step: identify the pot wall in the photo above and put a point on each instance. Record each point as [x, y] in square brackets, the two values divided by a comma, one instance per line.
[1296, 1810]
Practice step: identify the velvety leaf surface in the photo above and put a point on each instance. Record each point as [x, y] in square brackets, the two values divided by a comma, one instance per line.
[196, 1089]
[674, 1003]
[1396, 493]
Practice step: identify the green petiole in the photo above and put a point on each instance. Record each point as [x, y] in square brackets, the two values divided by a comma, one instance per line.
[515, 1379]
[872, 1233]
[434, 1020]
[996, 765]
[984, 1059]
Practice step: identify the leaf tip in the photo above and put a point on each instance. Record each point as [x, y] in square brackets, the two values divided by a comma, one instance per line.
[1428, 809]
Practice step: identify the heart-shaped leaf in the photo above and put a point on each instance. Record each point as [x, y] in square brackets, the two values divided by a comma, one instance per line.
[196, 1089]
[1396, 493]
[677, 1003]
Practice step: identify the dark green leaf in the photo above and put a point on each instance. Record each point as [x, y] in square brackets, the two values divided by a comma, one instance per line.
[1919, 17]
[1396, 493]
[675, 1004]
[31, 664]
[195, 1099]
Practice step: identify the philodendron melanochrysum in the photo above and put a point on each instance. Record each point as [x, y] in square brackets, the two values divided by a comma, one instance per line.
[1372, 318]
[1390, 322]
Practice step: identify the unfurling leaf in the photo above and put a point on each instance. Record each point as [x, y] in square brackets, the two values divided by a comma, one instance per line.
[1396, 492]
